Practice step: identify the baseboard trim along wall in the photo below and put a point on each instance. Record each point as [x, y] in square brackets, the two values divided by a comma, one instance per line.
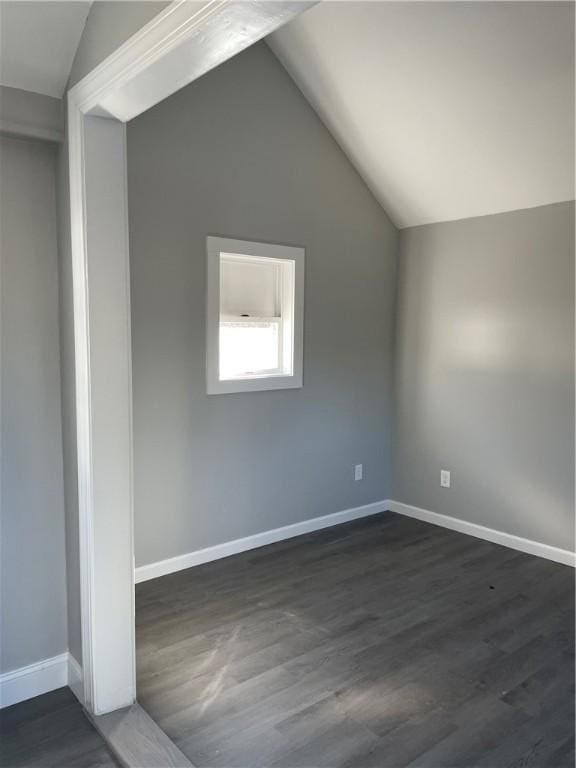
[49, 674]
[564, 556]
[207, 555]
[42, 677]
[34, 679]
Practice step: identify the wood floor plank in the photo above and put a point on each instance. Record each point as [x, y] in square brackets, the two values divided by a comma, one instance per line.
[383, 642]
[51, 730]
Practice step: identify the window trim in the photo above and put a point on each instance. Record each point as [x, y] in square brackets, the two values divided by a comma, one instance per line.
[215, 246]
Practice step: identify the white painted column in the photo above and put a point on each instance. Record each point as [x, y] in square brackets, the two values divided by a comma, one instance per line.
[104, 408]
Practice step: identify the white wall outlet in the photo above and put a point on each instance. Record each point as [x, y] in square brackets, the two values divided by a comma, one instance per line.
[445, 478]
[358, 472]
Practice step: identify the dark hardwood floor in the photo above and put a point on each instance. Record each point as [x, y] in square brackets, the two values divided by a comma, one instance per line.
[385, 642]
[51, 731]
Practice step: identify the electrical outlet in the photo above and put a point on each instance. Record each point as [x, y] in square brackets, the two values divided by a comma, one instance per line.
[445, 478]
[358, 472]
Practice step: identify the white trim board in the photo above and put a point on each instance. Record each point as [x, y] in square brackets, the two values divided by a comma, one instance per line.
[34, 679]
[75, 678]
[207, 555]
[564, 556]
[181, 43]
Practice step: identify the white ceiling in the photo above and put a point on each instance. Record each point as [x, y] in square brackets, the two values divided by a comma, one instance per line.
[38, 41]
[448, 109]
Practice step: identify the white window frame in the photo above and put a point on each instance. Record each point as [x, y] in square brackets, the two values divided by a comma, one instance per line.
[292, 321]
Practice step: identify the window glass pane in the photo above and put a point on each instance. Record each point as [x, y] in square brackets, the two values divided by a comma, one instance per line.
[248, 348]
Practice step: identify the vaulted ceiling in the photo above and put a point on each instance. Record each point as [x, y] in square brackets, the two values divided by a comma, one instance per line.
[447, 109]
[38, 41]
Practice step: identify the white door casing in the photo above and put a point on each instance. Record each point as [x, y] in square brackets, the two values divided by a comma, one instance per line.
[179, 45]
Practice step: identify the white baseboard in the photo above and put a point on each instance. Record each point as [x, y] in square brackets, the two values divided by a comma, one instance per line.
[26, 682]
[42, 677]
[200, 556]
[564, 556]
[75, 678]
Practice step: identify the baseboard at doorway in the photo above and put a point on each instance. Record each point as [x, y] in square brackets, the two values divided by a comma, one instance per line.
[75, 678]
[529, 546]
[41, 677]
[207, 555]
[33, 679]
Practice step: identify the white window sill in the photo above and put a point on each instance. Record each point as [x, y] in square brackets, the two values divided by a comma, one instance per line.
[253, 384]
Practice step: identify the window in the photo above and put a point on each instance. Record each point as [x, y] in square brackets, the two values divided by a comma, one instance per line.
[254, 316]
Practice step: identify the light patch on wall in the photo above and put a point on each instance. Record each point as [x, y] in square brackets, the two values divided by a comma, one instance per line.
[481, 340]
[486, 340]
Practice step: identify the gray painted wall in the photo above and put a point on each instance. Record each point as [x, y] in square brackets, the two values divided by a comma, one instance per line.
[33, 589]
[484, 380]
[25, 109]
[240, 153]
